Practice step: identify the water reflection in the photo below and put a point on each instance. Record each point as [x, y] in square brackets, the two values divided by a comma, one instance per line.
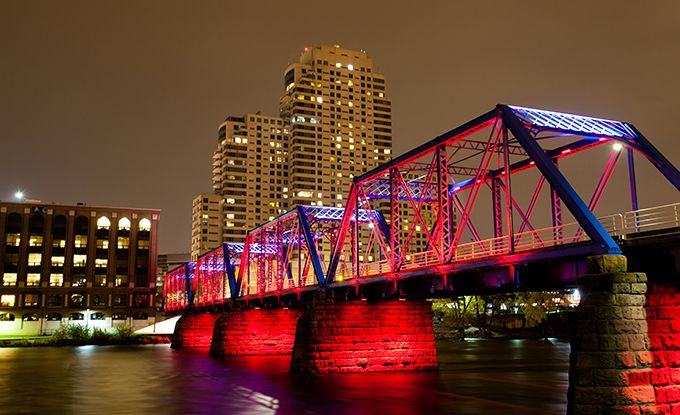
[496, 377]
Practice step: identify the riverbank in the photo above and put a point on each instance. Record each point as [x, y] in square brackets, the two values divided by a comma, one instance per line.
[45, 341]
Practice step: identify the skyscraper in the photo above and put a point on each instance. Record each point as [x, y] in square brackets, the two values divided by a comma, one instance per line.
[250, 169]
[335, 124]
[340, 123]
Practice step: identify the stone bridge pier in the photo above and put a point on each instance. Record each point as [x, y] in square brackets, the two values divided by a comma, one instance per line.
[625, 351]
[362, 336]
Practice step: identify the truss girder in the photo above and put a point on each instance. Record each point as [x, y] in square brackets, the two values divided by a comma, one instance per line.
[283, 253]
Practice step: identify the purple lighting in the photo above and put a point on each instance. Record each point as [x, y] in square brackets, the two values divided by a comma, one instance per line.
[573, 123]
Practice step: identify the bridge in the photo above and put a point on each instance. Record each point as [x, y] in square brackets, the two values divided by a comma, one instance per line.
[488, 205]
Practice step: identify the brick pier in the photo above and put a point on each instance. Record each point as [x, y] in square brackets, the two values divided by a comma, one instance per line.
[359, 336]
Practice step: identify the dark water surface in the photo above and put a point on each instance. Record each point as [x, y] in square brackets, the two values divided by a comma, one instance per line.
[475, 377]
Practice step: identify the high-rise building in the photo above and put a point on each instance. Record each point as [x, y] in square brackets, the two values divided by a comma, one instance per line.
[340, 123]
[335, 124]
[250, 172]
[206, 224]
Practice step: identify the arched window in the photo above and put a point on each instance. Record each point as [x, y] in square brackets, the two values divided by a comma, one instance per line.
[53, 317]
[118, 316]
[103, 223]
[29, 317]
[140, 315]
[97, 316]
[77, 316]
[145, 225]
[124, 224]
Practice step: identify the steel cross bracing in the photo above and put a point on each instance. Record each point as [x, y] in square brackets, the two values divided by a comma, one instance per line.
[466, 199]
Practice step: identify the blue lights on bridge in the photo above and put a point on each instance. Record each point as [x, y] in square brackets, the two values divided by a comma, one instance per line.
[578, 124]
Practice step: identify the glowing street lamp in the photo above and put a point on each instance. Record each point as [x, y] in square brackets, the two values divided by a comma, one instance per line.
[617, 146]
[19, 195]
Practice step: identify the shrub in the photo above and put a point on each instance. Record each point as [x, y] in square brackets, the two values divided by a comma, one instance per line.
[100, 336]
[72, 334]
[124, 334]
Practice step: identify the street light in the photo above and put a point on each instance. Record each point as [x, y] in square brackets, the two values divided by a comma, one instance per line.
[19, 195]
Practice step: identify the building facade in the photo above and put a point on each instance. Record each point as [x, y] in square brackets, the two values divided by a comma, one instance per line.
[335, 124]
[83, 264]
[206, 224]
[250, 172]
[340, 123]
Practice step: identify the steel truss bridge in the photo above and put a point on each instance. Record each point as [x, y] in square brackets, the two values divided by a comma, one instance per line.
[515, 158]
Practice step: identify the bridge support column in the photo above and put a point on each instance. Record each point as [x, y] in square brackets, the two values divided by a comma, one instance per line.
[360, 336]
[194, 331]
[610, 362]
[255, 332]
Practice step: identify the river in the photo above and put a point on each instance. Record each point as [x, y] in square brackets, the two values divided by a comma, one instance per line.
[475, 377]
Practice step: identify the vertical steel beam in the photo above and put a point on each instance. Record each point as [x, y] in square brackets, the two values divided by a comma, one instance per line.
[443, 201]
[230, 272]
[396, 260]
[556, 210]
[497, 202]
[311, 246]
[631, 179]
[508, 192]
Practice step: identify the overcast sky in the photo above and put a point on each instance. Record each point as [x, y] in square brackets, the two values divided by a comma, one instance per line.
[118, 103]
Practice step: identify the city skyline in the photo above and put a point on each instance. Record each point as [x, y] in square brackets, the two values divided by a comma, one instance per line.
[127, 117]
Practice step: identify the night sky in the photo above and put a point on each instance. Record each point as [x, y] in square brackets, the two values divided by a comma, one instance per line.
[118, 103]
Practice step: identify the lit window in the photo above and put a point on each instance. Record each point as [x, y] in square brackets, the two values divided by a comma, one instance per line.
[230, 216]
[13, 239]
[124, 224]
[339, 197]
[79, 260]
[338, 65]
[58, 243]
[9, 279]
[56, 280]
[34, 259]
[31, 299]
[57, 261]
[145, 225]
[80, 241]
[32, 280]
[121, 281]
[123, 242]
[7, 300]
[142, 244]
[101, 262]
[102, 244]
[35, 240]
[103, 223]
[350, 67]
[319, 100]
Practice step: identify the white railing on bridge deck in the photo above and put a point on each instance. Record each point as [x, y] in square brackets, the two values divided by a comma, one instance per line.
[619, 224]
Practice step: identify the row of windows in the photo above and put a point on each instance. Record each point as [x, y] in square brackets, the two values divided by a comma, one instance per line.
[140, 315]
[75, 300]
[123, 224]
[80, 241]
[9, 279]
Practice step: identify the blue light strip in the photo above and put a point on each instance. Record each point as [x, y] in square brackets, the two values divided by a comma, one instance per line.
[573, 123]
